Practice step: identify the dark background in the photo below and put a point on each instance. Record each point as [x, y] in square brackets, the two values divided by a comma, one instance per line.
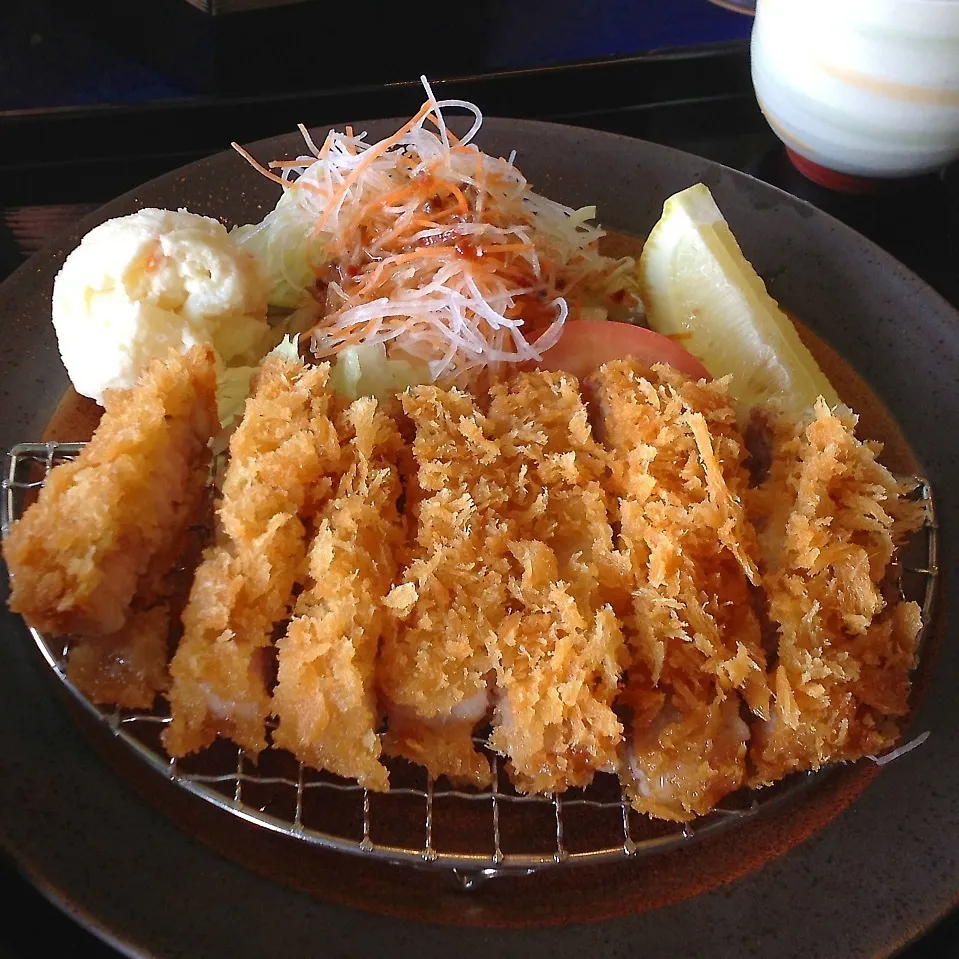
[71, 52]
[97, 96]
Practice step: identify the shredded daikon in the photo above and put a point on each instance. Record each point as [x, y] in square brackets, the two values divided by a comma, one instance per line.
[901, 750]
[425, 244]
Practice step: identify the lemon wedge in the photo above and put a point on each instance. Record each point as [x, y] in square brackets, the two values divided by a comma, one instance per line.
[699, 288]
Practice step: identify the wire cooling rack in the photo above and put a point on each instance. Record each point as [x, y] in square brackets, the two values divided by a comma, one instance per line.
[474, 834]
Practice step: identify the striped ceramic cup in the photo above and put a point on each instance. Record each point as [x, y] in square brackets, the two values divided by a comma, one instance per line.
[866, 88]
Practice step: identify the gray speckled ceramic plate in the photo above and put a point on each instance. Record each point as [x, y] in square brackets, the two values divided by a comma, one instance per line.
[860, 886]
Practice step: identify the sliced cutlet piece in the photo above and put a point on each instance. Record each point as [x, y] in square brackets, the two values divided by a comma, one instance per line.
[325, 697]
[96, 557]
[559, 652]
[77, 555]
[281, 458]
[831, 517]
[130, 667]
[694, 638]
[434, 667]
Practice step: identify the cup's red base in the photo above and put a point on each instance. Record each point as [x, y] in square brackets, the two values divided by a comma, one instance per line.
[842, 182]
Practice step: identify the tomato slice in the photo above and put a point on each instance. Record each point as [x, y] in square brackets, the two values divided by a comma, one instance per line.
[585, 345]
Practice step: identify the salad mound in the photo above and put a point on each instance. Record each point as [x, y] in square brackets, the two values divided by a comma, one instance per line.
[431, 248]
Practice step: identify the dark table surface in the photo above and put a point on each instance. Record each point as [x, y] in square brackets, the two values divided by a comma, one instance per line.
[73, 151]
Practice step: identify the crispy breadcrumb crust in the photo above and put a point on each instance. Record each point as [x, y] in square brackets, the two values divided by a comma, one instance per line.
[77, 555]
[448, 598]
[694, 638]
[560, 651]
[130, 667]
[832, 517]
[325, 698]
[280, 458]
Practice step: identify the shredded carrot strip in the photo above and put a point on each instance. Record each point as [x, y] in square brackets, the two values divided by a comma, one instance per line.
[284, 164]
[259, 166]
[399, 258]
[388, 200]
[307, 138]
[368, 157]
[461, 204]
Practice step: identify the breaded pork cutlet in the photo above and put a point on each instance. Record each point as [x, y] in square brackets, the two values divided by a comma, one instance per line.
[434, 667]
[559, 652]
[832, 517]
[281, 456]
[130, 667]
[695, 641]
[77, 554]
[90, 559]
[325, 697]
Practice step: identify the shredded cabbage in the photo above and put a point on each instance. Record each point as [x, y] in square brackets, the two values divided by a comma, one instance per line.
[288, 348]
[614, 295]
[366, 370]
[233, 385]
[363, 370]
[232, 390]
[285, 246]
